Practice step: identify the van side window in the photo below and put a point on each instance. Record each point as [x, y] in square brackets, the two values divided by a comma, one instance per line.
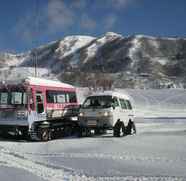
[129, 106]
[115, 102]
[123, 105]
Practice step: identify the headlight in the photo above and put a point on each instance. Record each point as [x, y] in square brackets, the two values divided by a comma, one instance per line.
[21, 114]
[81, 114]
[105, 114]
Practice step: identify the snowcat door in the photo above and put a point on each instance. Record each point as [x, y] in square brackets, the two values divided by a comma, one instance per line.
[40, 106]
[40, 103]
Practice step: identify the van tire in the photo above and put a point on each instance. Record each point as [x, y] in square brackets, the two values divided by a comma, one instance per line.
[119, 129]
[82, 132]
[97, 131]
[88, 132]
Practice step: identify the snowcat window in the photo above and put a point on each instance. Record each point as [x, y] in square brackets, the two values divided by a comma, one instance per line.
[61, 98]
[4, 98]
[72, 97]
[16, 98]
[51, 96]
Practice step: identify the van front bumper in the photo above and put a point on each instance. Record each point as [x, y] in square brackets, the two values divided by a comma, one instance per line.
[96, 122]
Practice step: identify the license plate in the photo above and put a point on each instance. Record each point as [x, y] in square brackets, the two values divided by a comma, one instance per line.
[92, 122]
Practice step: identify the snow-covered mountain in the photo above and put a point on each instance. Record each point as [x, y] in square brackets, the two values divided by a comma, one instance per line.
[135, 62]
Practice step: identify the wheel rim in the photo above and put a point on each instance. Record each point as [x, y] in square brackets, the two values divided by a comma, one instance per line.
[121, 133]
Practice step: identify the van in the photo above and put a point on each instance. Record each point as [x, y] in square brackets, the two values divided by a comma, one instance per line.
[104, 111]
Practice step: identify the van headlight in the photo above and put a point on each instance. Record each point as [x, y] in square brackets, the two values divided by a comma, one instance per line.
[81, 114]
[104, 114]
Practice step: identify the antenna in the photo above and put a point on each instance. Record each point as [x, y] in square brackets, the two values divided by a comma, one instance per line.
[35, 61]
[35, 53]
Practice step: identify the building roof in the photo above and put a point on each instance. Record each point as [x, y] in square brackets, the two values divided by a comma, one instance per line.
[37, 81]
[45, 82]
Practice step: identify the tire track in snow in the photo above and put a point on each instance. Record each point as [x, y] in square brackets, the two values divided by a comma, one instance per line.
[120, 156]
[56, 173]
[45, 171]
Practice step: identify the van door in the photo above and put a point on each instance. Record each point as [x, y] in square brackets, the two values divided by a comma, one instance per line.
[116, 110]
[130, 110]
[124, 111]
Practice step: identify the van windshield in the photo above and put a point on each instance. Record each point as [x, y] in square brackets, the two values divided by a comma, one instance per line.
[98, 102]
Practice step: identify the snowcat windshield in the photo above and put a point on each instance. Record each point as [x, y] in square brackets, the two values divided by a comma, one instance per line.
[13, 97]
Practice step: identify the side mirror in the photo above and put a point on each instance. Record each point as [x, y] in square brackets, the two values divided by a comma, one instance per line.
[113, 106]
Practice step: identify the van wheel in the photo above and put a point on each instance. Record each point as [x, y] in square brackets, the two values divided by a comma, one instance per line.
[45, 134]
[119, 129]
[82, 132]
[97, 131]
[88, 132]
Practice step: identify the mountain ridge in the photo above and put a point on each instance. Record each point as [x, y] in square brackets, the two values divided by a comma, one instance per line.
[138, 61]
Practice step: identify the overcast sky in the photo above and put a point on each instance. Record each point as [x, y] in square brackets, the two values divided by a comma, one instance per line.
[25, 24]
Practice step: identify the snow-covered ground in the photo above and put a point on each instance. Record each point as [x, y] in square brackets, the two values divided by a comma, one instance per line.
[157, 152]
[155, 103]
[10, 173]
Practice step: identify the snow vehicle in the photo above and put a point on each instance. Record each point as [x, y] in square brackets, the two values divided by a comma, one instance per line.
[37, 107]
[104, 111]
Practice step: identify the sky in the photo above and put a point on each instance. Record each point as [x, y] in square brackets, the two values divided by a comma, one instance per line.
[27, 24]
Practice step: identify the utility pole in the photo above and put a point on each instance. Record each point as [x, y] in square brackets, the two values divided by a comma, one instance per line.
[34, 60]
[36, 25]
